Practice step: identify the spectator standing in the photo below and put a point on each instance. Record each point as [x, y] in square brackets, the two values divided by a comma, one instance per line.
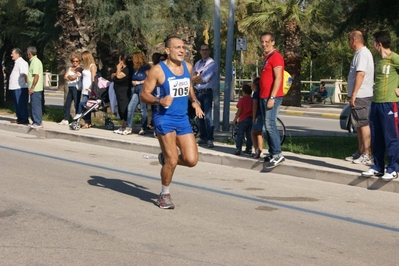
[384, 110]
[257, 121]
[89, 73]
[360, 93]
[73, 78]
[271, 94]
[19, 86]
[244, 119]
[121, 79]
[140, 71]
[204, 77]
[35, 84]
[171, 120]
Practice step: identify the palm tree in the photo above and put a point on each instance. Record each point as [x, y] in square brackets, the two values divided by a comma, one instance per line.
[284, 18]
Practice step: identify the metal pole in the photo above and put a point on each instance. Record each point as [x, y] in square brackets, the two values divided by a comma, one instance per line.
[216, 57]
[229, 70]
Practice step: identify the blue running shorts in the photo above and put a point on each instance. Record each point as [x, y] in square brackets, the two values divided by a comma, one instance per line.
[181, 125]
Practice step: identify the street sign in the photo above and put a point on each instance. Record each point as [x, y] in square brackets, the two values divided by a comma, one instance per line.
[241, 44]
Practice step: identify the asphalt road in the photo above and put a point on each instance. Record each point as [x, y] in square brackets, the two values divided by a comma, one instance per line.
[68, 203]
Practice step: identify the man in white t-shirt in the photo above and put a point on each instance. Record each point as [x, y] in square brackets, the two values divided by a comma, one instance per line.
[360, 93]
[19, 86]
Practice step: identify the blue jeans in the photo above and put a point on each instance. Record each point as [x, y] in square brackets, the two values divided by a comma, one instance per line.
[134, 101]
[36, 107]
[21, 97]
[270, 118]
[73, 95]
[206, 124]
[82, 103]
[244, 127]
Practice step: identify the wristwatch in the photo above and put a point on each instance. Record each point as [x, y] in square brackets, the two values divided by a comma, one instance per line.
[156, 102]
[272, 97]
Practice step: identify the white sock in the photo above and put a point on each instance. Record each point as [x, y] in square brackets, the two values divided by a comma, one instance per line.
[165, 189]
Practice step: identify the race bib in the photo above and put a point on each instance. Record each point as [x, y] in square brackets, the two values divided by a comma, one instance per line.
[179, 87]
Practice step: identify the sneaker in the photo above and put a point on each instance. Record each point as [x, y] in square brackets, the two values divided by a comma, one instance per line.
[268, 158]
[77, 116]
[201, 142]
[36, 126]
[63, 122]
[165, 201]
[248, 152]
[371, 172]
[161, 159]
[354, 156]
[142, 132]
[276, 161]
[389, 176]
[210, 144]
[119, 130]
[127, 131]
[237, 152]
[364, 159]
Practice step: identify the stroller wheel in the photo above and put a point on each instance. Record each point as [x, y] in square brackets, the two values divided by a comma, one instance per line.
[74, 125]
[109, 125]
[195, 129]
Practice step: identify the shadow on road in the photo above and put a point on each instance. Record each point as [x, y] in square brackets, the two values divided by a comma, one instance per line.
[125, 187]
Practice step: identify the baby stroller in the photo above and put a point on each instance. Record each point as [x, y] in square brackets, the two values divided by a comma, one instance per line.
[98, 101]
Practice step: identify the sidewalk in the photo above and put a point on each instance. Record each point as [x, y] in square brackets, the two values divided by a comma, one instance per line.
[316, 168]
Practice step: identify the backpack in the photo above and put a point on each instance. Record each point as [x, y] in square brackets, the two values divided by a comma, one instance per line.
[287, 82]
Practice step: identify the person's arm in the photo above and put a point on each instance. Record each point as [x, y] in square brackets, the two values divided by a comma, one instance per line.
[35, 79]
[191, 95]
[206, 74]
[254, 109]
[358, 83]
[278, 78]
[119, 74]
[155, 77]
[93, 71]
[238, 113]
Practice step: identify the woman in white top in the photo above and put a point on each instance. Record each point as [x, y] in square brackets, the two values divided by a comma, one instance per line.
[72, 77]
[88, 74]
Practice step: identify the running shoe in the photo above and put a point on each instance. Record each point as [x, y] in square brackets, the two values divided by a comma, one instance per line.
[77, 116]
[119, 130]
[165, 201]
[364, 159]
[210, 144]
[354, 156]
[389, 176]
[276, 161]
[371, 172]
[36, 126]
[268, 157]
[63, 122]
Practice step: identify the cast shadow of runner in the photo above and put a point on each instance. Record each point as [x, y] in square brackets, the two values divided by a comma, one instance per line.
[125, 187]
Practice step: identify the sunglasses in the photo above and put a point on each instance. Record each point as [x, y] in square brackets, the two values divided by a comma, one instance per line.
[73, 61]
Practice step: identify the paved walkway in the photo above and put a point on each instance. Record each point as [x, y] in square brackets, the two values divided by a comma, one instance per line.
[317, 168]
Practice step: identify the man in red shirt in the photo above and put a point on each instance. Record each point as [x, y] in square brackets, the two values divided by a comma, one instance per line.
[271, 96]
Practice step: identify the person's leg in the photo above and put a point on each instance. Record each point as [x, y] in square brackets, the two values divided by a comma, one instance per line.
[364, 139]
[76, 100]
[201, 121]
[170, 155]
[134, 101]
[36, 106]
[207, 107]
[144, 115]
[240, 137]
[272, 134]
[377, 138]
[17, 94]
[67, 104]
[23, 105]
[391, 136]
[188, 150]
[248, 126]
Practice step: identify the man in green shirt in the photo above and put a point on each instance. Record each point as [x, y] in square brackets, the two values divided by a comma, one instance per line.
[384, 110]
[35, 85]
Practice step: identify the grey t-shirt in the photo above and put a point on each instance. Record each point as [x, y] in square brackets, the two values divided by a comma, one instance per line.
[362, 61]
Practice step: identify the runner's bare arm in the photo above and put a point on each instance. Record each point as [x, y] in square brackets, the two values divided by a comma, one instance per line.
[154, 77]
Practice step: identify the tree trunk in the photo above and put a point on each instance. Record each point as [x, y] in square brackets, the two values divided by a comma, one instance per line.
[293, 60]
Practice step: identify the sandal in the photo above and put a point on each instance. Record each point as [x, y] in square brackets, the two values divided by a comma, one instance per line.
[142, 132]
[86, 126]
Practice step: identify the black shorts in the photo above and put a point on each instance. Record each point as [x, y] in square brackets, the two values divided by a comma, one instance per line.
[361, 113]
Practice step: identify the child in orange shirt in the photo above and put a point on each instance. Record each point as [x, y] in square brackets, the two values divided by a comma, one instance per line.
[244, 119]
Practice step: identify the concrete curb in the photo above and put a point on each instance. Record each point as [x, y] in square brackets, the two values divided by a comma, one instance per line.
[315, 168]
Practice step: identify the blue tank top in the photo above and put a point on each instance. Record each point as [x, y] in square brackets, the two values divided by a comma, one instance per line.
[176, 86]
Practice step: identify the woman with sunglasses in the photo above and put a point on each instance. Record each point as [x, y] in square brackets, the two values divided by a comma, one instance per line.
[73, 78]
